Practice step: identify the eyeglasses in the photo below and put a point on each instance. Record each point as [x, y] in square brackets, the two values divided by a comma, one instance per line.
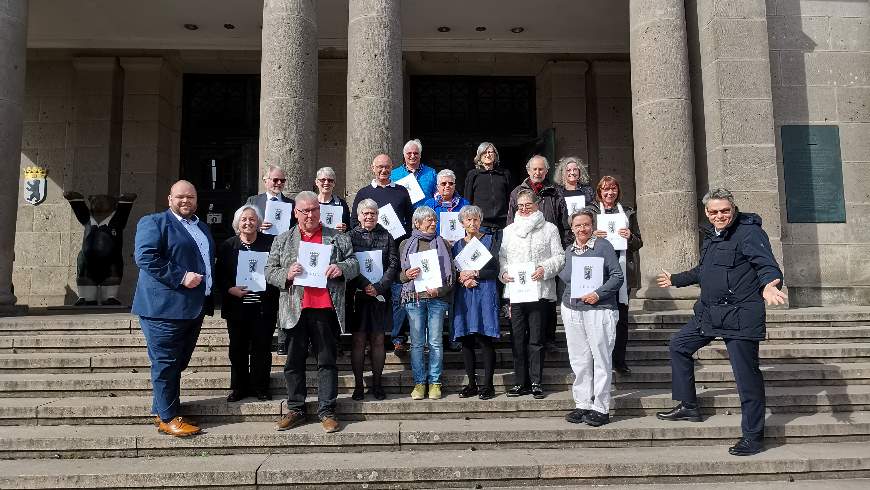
[447, 184]
[714, 212]
[278, 181]
[325, 181]
[412, 153]
[308, 212]
[528, 205]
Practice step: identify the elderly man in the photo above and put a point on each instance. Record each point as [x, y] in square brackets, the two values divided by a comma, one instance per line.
[737, 275]
[310, 314]
[383, 191]
[274, 180]
[175, 254]
[424, 174]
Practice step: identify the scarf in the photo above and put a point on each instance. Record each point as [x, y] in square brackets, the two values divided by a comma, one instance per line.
[447, 205]
[527, 224]
[444, 260]
[535, 186]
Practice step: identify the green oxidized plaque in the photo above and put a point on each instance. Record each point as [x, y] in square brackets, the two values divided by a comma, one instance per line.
[813, 171]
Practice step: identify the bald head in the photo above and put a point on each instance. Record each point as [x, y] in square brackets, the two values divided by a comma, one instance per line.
[182, 199]
[381, 168]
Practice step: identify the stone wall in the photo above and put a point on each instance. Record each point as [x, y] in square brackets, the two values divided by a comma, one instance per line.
[820, 74]
[332, 120]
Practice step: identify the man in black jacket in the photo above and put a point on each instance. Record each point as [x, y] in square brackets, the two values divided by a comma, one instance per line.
[737, 275]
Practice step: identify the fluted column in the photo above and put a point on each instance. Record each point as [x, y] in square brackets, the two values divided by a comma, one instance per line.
[663, 147]
[288, 90]
[13, 47]
[374, 86]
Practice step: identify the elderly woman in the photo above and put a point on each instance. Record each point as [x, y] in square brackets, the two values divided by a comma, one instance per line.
[372, 312]
[325, 182]
[487, 185]
[426, 309]
[590, 323]
[250, 315]
[607, 201]
[572, 180]
[530, 238]
[475, 306]
[446, 198]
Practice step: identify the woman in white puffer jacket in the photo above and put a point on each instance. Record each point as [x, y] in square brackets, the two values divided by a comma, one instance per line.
[530, 239]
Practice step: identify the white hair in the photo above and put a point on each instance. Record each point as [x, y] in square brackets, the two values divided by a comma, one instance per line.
[327, 172]
[445, 174]
[237, 216]
[306, 196]
[470, 211]
[366, 204]
[542, 157]
[413, 143]
[272, 168]
[719, 193]
[422, 213]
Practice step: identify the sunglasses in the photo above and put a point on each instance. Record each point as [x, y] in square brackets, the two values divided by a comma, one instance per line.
[279, 181]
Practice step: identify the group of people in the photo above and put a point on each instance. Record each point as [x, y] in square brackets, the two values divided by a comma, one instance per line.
[534, 247]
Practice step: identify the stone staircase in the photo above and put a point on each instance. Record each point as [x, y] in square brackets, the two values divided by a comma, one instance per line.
[75, 402]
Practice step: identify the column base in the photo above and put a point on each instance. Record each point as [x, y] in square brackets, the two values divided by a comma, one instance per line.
[664, 299]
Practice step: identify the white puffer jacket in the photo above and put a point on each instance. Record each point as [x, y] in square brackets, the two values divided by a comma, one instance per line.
[533, 239]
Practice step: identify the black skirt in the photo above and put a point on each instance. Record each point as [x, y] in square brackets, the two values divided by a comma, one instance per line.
[368, 315]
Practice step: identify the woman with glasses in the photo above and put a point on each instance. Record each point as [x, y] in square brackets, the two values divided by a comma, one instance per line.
[325, 182]
[488, 185]
[446, 199]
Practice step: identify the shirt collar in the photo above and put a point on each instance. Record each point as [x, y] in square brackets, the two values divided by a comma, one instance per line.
[376, 185]
[191, 221]
[590, 244]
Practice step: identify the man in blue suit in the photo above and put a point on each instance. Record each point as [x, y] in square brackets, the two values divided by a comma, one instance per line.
[175, 255]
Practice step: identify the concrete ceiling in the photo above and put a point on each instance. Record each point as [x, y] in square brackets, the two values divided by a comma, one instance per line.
[551, 26]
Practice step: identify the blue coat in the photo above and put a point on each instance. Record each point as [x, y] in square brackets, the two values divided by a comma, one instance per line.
[734, 268]
[426, 176]
[164, 252]
[440, 206]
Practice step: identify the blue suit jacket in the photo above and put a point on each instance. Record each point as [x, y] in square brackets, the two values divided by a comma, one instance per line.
[164, 252]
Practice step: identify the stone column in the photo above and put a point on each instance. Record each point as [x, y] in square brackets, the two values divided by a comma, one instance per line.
[663, 147]
[374, 87]
[288, 90]
[13, 47]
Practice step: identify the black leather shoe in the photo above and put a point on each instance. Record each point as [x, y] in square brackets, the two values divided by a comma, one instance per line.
[576, 416]
[680, 412]
[378, 392]
[358, 394]
[486, 393]
[468, 391]
[537, 392]
[235, 396]
[282, 351]
[596, 419]
[622, 369]
[519, 391]
[746, 447]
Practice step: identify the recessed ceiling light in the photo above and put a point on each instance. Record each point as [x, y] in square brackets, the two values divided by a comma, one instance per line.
[191, 27]
[229, 26]
[443, 29]
[517, 30]
[480, 28]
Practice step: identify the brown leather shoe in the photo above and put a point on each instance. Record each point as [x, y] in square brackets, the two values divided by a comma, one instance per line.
[178, 427]
[189, 420]
[290, 420]
[330, 424]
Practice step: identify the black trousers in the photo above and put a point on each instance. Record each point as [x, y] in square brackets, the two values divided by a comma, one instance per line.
[250, 335]
[318, 326]
[527, 330]
[621, 336]
[743, 355]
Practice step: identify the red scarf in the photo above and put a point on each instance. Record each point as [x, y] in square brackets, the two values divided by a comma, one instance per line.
[536, 186]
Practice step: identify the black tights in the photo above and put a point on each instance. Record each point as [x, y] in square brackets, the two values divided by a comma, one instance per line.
[377, 355]
[468, 345]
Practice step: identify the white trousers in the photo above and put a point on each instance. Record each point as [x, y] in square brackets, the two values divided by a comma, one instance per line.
[591, 335]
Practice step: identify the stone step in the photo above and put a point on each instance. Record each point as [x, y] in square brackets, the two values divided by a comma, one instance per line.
[401, 380]
[141, 440]
[447, 468]
[633, 402]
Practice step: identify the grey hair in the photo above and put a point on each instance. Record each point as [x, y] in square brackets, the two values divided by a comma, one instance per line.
[366, 204]
[482, 148]
[422, 213]
[237, 216]
[562, 165]
[306, 196]
[470, 211]
[542, 157]
[583, 212]
[272, 168]
[326, 172]
[413, 143]
[530, 194]
[444, 174]
[719, 193]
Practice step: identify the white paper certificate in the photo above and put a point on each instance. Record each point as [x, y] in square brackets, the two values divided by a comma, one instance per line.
[279, 214]
[450, 226]
[430, 270]
[523, 289]
[473, 256]
[388, 218]
[587, 275]
[410, 182]
[611, 223]
[314, 258]
[330, 215]
[371, 264]
[251, 270]
[574, 204]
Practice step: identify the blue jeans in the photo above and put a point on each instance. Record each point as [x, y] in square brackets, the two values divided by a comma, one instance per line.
[399, 313]
[426, 317]
[170, 346]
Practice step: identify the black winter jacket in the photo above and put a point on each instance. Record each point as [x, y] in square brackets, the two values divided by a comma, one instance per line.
[489, 190]
[551, 205]
[735, 266]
